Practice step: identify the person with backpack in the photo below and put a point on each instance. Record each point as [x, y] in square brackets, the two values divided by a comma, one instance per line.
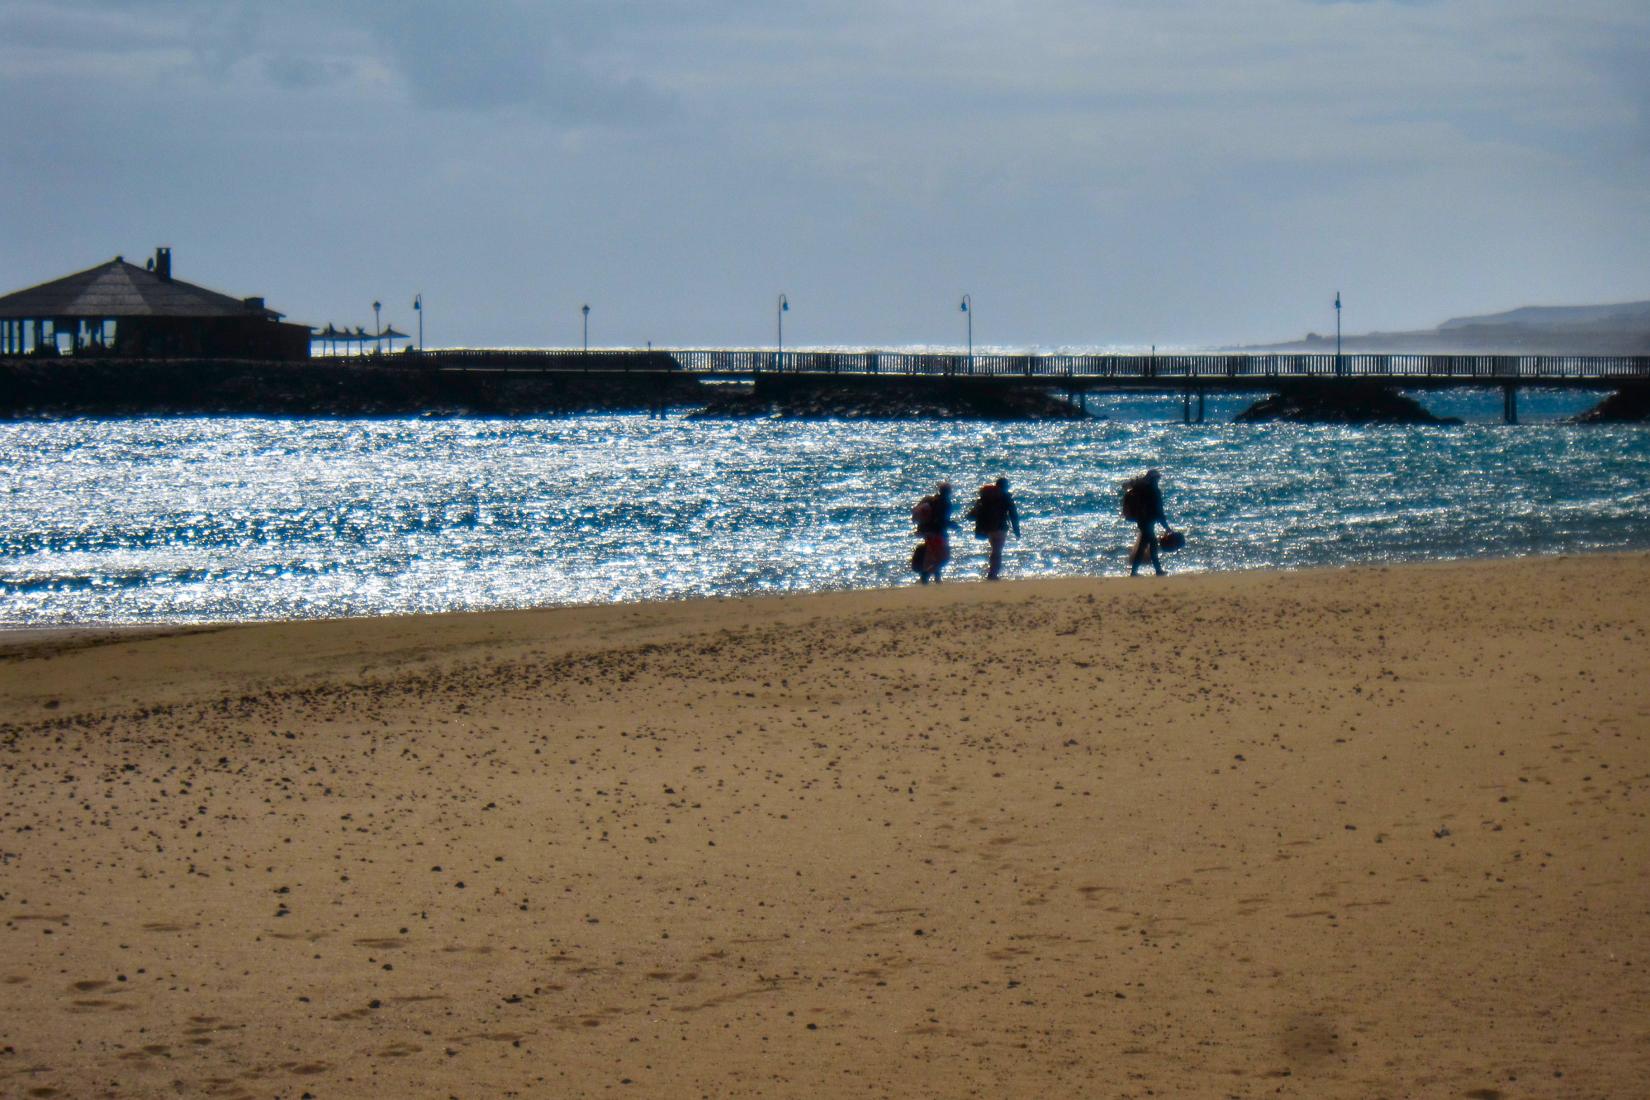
[994, 513]
[1143, 504]
[932, 516]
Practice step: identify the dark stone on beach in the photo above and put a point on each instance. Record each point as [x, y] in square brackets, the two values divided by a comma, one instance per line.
[1630, 404]
[885, 399]
[1339, 402]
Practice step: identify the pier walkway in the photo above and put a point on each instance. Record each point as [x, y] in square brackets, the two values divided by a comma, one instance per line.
[1214, 371]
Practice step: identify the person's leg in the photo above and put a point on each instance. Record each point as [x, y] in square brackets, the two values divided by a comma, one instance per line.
[995, 565]
[1139, 554]
[1151, 543]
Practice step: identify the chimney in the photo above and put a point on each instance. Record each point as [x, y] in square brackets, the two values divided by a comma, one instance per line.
[163, 263]
[256, 305]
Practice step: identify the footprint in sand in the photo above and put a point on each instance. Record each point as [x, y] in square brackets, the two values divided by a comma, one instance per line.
[1310, 1037]
[307, 1069]
[98, 1005]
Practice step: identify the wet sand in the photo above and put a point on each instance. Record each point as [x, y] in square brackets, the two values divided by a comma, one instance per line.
[1367, 833]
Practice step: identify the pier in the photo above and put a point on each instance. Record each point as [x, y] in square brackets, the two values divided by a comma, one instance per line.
[556, 381]
[1191, 376]
[1213, 371]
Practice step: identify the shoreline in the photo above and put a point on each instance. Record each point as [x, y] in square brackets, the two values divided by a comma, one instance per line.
[13, 634]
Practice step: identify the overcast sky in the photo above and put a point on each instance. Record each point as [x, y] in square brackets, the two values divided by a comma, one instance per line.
[1092, 172]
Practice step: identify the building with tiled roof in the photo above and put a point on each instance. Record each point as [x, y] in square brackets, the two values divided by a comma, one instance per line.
[122, 310]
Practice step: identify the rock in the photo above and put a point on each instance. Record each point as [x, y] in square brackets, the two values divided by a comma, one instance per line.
[367, 387]
[1627, 405]
[1340, 402]
[872, 398]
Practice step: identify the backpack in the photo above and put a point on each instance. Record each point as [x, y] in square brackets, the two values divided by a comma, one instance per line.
[923, 512]
[1134, 500]
[988, 511]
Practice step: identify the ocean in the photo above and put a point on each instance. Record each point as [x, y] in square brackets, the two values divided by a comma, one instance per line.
[203, 520]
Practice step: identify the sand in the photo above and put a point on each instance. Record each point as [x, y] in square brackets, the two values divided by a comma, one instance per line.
[1378, 832]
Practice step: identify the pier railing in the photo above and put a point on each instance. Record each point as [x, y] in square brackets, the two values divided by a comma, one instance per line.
[736, 362]
[1140, 367]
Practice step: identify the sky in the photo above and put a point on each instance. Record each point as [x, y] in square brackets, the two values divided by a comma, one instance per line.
[1092, 173]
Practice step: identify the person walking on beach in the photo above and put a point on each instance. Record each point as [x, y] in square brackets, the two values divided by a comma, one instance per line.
[1143, 503]
[934, 523]
[994, 513]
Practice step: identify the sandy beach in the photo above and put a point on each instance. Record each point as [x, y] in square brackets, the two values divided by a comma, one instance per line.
[1377, 832]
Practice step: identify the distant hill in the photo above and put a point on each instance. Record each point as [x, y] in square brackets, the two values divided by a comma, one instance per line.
[1627, 315]
[1621, 329]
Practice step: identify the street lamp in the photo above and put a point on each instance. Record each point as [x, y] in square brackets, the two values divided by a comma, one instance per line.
[585, 309]
[779, 313]
[968, 308]
[1337, 332]
[378, 333]
[418, 308]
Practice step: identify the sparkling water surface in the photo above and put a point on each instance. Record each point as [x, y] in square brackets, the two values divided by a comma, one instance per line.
[224, 519]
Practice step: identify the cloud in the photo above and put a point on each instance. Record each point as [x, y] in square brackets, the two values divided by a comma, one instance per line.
[557, 62]
[849, 143]
[300, 73]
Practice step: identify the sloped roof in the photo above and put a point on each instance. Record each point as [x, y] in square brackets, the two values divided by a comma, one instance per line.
[120, 289]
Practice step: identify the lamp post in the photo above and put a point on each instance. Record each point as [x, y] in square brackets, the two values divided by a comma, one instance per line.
[967, 308]
[779, 312]
[378, 330]
[1337, 332]
[418, 308]
[585, 309]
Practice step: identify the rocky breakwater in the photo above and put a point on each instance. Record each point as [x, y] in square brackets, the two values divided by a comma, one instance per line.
[391, 386]
[874, 398]
[1340, 402]
[1630, 404]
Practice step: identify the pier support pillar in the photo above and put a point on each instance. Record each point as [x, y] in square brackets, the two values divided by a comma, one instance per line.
[1186, 407]
[1509, 404]
[1200, 396]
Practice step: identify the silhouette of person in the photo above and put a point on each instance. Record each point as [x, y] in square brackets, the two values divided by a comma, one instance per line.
[934, 524]
[1143, 502]
[994, 514]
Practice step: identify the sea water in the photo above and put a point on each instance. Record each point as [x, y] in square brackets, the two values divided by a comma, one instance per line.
[192, 520]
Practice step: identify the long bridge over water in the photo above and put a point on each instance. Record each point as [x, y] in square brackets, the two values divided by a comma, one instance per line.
[526, 382]
[1242, 369]
[1189, 375]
